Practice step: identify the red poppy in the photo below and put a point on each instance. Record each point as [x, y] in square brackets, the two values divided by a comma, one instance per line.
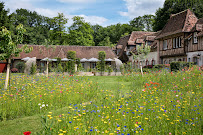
[27, 133]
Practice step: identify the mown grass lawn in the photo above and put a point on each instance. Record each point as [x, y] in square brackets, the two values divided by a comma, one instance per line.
[157, 103]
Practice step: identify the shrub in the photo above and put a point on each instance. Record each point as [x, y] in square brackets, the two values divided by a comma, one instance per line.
[148, 66]
[178, 65]
[33, 69]
[71, 64]
[101, 63]
[20, 66]
[109, 69]
[59, 68]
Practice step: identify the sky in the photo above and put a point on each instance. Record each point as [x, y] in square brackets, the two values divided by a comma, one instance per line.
[102, 12]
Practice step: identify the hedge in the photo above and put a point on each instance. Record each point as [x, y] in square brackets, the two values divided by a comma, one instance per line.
[178, 65]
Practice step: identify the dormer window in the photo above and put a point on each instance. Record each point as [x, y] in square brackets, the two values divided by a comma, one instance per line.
[195, 37]
[165, 45]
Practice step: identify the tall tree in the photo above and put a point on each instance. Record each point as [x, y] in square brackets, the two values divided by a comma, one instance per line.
[148, 21]
[80, 33]
[99, 33]
[37, 26]
[4, 17]
[9, 47]
[142, 23]
[137, 23]
[173, 7]
[106, 42]
[58, 34]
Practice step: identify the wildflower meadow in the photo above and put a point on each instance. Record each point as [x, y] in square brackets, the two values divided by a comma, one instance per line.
[162, 102]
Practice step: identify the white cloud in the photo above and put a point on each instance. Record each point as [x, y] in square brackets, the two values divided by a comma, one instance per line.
[53, 13]
[47, 12]
[76, 1]
[17, 4]
[94, 19]
[90, 19]
[141, 7]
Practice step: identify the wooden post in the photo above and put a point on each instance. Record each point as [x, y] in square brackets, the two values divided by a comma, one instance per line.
[7, 74]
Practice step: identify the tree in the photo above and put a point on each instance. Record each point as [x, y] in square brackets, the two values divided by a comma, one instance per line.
[71, 64]
[102, 56]
[173, 7]
[48, 47]
[142, 23]
[81, 33]
[106, 42]
[4, 17]
[148, 21]
[99, 33]
[137, 23]
[142, 52]
[9, 47]
[37, 26]
[58, 35]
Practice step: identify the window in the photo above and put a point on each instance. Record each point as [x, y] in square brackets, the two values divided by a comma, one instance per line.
[93, 65]
[195, 60]
[118, 51]
[177, 42]
[83, 65]
[165, 62]
[195, 37]
[153, 62]
[174, 43]
[183, 59]
[147, 63]
[165, 45]
[188, 59]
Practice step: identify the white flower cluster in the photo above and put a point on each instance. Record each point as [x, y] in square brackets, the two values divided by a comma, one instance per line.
[42, 105]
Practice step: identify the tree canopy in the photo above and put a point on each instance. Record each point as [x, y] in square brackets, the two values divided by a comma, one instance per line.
[40, 29]
[80, 32]
[173, 7]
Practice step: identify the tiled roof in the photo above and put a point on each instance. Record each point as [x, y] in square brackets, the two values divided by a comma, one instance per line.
[180, 22]
[119, 46]
[60, 51]
[122, 43]
[150, 38]
[199, 25]
[137, 34]
[140, 41]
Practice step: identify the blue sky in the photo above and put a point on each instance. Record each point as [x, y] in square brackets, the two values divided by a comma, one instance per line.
[102, 12]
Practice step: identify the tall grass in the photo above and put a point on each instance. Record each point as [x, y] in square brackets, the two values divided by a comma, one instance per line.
[29, 95]
[158, 103]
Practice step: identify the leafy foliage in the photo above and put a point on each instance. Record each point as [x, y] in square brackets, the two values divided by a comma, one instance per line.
[102, 56]
[173, 7]
[20, 66]
[178, 65]
[4, 19]
[33, 69]
[142, 23]
[71, 64]
[81, 33]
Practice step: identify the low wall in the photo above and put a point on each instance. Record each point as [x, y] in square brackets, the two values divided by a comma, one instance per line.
[108, 74]
[87, 73]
